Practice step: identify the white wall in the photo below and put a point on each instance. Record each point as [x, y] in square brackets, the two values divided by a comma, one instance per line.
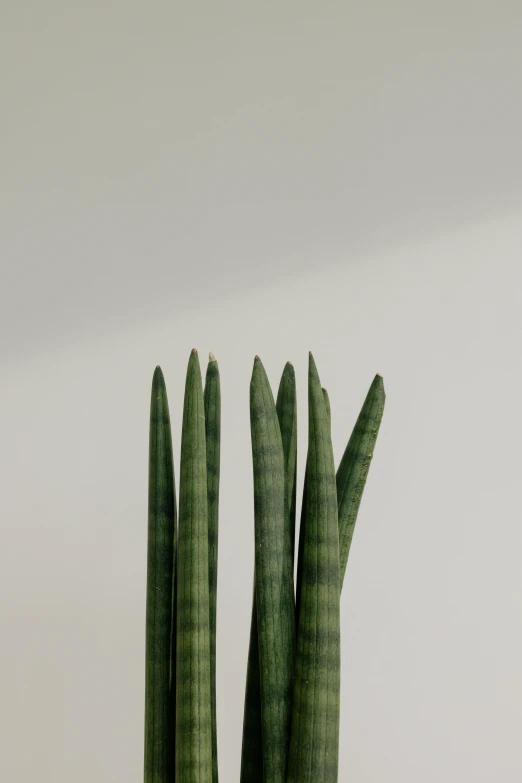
[264, 179]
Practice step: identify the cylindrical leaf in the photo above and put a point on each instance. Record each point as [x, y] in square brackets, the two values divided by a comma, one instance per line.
[314, 741]
[160, 568]
[193, 700]
[355, 464]
[212, 400]
[271, 583]
[251, 752]
[286, 406]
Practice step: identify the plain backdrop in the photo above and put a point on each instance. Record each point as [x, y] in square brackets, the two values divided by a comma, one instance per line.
[266, 178]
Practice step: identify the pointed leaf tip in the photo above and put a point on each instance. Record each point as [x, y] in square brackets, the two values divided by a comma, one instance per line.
[194, 352]
[211, 357]
[258, 367]
[158, 373]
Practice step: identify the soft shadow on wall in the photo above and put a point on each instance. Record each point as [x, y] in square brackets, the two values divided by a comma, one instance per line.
[180, 157]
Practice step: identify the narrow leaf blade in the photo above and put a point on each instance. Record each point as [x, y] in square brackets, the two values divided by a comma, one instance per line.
[314, 742]
[212, 404]
[271, 583]
[354, 466]
[160, 579]
[193, 701]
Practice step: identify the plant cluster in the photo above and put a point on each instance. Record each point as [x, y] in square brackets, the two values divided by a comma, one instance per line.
[291, 716]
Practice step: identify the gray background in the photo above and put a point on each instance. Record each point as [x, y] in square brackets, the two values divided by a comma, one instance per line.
[263, 178]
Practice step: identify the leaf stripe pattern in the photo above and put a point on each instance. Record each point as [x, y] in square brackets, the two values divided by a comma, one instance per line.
[314, 745]
[271, 582]
[212, 402]
[193, 684]
[355, 464]
[161, 542]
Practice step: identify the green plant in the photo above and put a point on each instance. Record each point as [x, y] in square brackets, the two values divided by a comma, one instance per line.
[291, 717]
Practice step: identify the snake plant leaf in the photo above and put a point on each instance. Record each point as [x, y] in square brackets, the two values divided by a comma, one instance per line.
[193, 734]
[212, 404]
[354, 466]
[275, 613]
[351, 475]
[252, 748]
[161, 542]
[286, 407]
[314, 744]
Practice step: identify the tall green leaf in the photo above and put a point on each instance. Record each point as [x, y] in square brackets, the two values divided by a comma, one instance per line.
[274, 596]
[161, 542]
[252, 750]
[193, 683]
[286, 406]
[212, 401]
[355, 464]
[314, 745]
